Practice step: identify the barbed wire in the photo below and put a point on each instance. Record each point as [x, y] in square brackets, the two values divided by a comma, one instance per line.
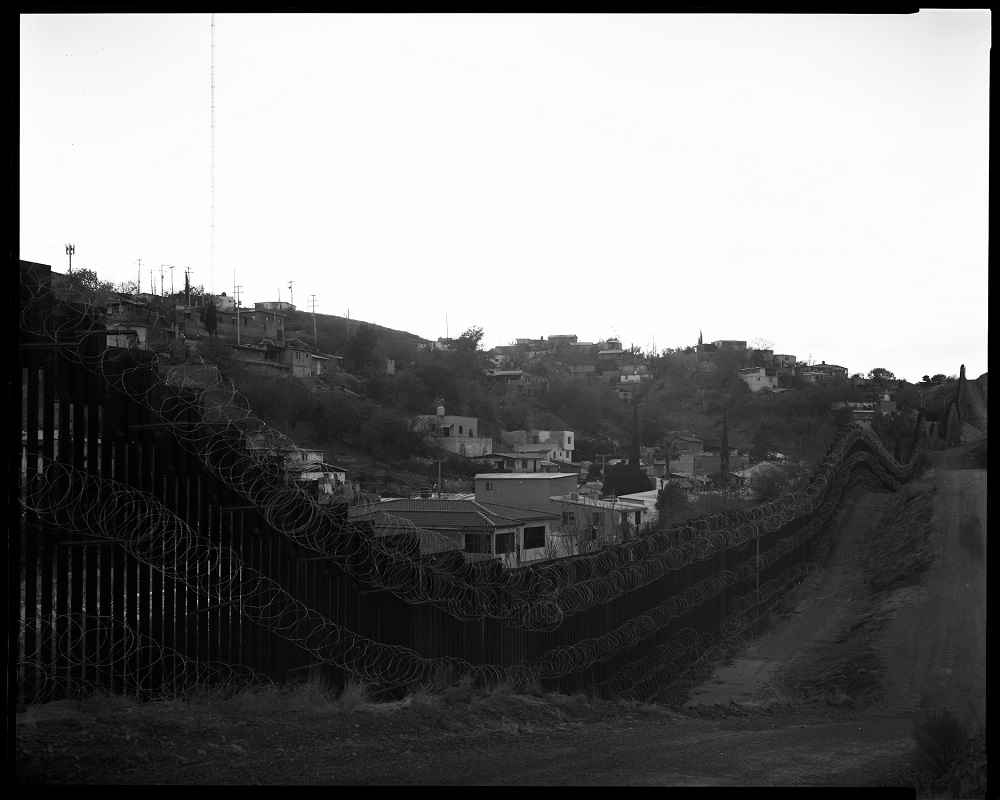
[210, 419]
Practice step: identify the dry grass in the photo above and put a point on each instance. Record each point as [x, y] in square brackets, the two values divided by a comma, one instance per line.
[945, 748]
[898, 550]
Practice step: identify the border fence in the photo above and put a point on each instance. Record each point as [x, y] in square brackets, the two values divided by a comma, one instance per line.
[160, 547]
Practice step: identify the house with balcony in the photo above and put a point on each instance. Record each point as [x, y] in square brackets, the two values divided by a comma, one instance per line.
[556, 445]
[262, 357]
[515, 462]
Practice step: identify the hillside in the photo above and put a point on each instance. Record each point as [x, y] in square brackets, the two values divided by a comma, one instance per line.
[877, 646]
[368, 416]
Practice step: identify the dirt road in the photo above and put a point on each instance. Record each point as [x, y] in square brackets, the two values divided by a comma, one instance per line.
[826, 698]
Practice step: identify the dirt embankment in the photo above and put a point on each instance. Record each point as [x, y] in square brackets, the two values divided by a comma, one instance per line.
[894, 625]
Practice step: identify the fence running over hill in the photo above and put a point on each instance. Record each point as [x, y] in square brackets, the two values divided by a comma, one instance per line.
[158, 549]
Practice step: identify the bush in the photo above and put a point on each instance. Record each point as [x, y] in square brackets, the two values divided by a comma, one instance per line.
[942, 739]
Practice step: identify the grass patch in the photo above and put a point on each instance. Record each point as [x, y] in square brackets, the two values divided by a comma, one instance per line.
[898, 548]
[355, 696]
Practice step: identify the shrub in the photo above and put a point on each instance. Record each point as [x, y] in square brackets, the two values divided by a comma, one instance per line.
[942, 739]
[354, 696]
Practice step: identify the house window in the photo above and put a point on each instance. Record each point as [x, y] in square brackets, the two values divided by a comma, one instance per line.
[524, 463]
[489, 486]
[471, 432]
[478, 543]
[534, 537]
[459, 430]
[504, 543]
[568, 518]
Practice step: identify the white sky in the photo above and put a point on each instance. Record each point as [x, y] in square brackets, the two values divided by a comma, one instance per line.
[818, 181]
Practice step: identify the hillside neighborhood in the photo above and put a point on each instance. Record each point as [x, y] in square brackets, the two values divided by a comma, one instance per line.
[529, 495]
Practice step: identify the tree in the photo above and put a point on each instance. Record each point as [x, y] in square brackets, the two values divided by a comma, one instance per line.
[669, 500]
[623, 478]
[471, 339]
[211, 318]
[83, 282]
[881, 377]
[361, 346]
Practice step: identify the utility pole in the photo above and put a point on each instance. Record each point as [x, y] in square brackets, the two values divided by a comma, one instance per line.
[171, 278]
[236, 291]
[138, 279]
[291, 297]
[70, 249]
[161, 279]
[315, 338]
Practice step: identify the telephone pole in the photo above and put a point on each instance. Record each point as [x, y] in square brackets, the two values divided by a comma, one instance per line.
[291, 297]
[236, 291]
[315, 338]
[138, 279]
[70, 249]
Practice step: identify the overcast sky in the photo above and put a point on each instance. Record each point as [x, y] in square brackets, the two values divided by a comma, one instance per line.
[816, 181]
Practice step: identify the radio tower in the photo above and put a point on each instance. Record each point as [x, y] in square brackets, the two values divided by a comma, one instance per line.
[211, 277]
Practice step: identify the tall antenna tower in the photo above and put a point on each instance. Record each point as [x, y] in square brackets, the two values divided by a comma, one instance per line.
[211, 278]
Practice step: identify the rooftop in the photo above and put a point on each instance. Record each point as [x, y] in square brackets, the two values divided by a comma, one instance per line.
[525, 476]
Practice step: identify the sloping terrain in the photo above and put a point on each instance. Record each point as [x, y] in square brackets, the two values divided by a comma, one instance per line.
[894, 626]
